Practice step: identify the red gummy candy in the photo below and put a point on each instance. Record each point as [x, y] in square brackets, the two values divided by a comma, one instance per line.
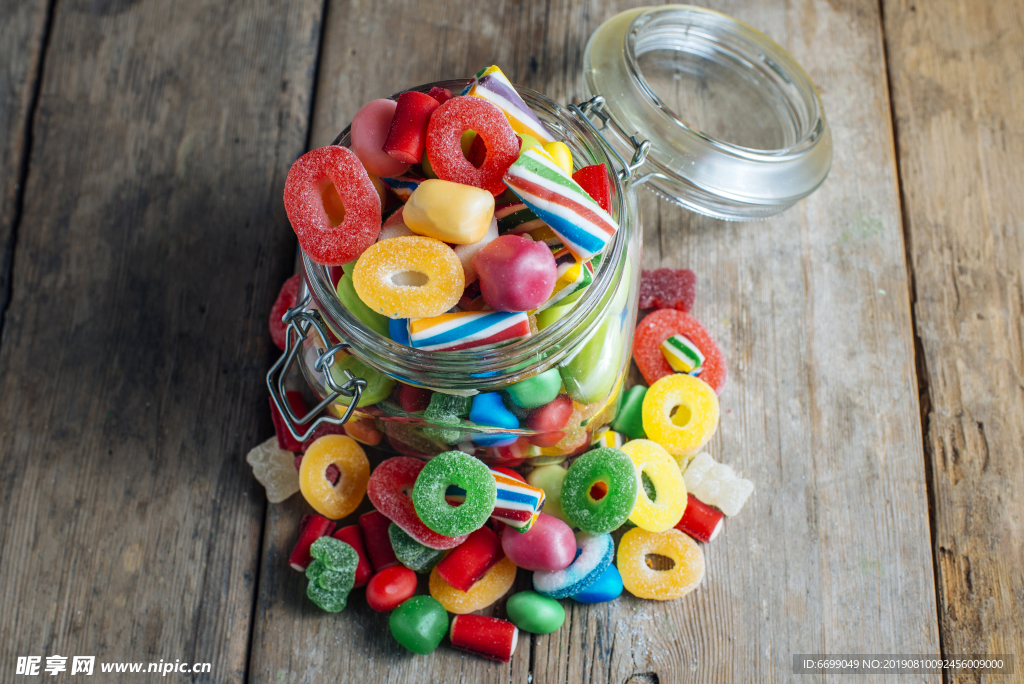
[492, 638]
[668, 288]
[353, 536]
[413, 399]
[287, 298]
[332, 205]
[663, 324]
[472, 559]
[407, 137]
[550, 419]
[284, 437]
[444, 143]
[377, 540]
[442, 95]
[311, 528]
[594, 179]
[390, 588]
[700, 521]
[387, 489]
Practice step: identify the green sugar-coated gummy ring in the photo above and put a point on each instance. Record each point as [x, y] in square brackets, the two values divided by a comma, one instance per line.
[600, 490]
[467, 473]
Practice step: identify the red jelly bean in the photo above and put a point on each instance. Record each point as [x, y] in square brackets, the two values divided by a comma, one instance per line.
[668, 288]
[287, 298]
[594, 179]
[284, 437]
[387, 490]
[550, 419]
[516, 273]
[311, 528]
[353, 536]
[700, 521]
[390, 588]
[407, 136]
[658, 327]
[413, 399]
[444, 143]
[377, 540]
[492, 638]
[332, 205]
[549, 545]
[471, 560]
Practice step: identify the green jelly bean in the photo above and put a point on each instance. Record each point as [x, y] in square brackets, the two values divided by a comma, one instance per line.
[367, 316]
[378, 385]
[536, 391]
[592, 372]
[630, 420]
[411, 553]
[419, 624]
[533, 613]
[549, 478]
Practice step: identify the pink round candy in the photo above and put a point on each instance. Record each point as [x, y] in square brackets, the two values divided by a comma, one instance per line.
[516, 273]
[370, 128]
[549, 545]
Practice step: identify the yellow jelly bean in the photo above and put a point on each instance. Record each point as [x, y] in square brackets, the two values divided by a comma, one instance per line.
[670, 490]
[643, 581]
[696, 413]
[337, 500]
[451, 212]
[559, 151]
[409, 277]
[492, 586]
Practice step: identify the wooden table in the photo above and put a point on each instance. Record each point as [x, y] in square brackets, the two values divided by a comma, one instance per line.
[874, 336]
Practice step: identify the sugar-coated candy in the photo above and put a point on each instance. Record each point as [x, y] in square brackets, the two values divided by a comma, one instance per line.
[387, 491]
[409, 277]
[378, 385]
[471, 560]
[446, 409]
[353, 536]
[591, 373]
[717, 484]
[311, 528]
[595, 180]
[451, 212]
[596, 553]
[341, 498]
[375, 525]
[489, 410]
[272, 467]
[549, 478]
[700, 521]
[394, 226]
[287, 297]
[407, 136]
[467, 330]
[536, 390]
[584, 227]
[466, 473]
[560, 154]
[517, 504]
[682, 355]
[572, 277]
[369, 131]
[611, 438]
[600, 490]
[492, 638]
[364, 431]
[534, 613]
[695, 417]
[403, 186]
[411, 553]
[661, 511]
[442, 95]
[390, 587]
[467, 252]
[516, 273]
[549, 419]
[413, 399]
[630, 418]
[664, 323]
[514, 218]
[607, 587]
[419, 624]
[668, 288]
[332, 574]
[492, 85]
[444, 148]
[371, 319]
[332, 205]
[643, 581]
[492, 586]
[548, 545]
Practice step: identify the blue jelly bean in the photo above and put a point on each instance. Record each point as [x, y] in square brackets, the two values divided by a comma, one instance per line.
[489, 409]
[398, 328]
[608, 587]
[596, 552]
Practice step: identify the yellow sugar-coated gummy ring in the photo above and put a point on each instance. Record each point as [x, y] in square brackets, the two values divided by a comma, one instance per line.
[696, 417]
[409, 277]
[492, 586]
[642, 581]
[669, 502]
[337, 500]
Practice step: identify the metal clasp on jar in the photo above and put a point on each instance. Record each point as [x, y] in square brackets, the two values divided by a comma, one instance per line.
[299, 321]
[595, 106]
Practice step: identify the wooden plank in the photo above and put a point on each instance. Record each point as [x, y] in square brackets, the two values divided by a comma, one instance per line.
[22, 37]
[831, 554]
[957, 85]
[153, 241]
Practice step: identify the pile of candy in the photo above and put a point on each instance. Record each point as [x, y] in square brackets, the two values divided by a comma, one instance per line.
[451, 269]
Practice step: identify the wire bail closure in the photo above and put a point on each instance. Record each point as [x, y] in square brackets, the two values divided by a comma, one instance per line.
[595, 106]
[299, 321]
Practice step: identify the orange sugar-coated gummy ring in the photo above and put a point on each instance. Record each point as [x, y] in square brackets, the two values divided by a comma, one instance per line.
[492, 586]
[642, 581]
[695, 419]
[435, 275]
[337, 500]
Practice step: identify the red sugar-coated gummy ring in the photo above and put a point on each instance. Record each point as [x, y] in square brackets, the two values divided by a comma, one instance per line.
[387, 489]
[444, 148]
[663, 324]
[308, 188]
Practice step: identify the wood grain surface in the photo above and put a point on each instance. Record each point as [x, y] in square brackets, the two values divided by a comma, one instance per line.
[151, 245]
[958, 85]
[832, 553]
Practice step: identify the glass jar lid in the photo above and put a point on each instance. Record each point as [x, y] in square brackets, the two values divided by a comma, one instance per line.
[736, 128]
